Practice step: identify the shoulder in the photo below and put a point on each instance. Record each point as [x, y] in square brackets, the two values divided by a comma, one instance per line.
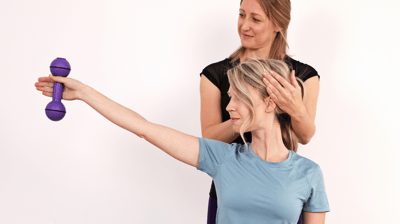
[303, 71]
[216, 71]
[215, 144]
[306, 167]
[219, 67]
[216, 152]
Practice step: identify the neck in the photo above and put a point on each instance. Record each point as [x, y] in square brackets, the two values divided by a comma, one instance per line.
[268, 144]
[256, 53]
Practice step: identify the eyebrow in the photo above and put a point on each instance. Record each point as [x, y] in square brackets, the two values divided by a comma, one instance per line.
[253, 13]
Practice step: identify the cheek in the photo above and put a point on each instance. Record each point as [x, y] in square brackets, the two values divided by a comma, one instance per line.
[244, 112]
[261, 32]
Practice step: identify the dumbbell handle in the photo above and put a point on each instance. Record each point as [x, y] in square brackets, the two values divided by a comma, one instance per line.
[57, 91]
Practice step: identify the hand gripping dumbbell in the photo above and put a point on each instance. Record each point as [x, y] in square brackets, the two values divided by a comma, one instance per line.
[55, 110]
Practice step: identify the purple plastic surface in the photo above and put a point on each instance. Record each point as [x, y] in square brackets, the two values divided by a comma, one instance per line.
[60, 67]
[55, 110]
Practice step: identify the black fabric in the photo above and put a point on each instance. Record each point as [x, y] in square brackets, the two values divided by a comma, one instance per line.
[217, 74]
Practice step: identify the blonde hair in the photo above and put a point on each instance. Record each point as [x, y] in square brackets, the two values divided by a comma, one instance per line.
[250, 72]
[278, 11]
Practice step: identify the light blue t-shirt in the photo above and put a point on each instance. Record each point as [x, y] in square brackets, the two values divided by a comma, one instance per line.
[251, 190]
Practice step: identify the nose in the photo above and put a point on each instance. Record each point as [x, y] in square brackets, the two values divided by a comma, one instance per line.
[245, 24]
[230, 107]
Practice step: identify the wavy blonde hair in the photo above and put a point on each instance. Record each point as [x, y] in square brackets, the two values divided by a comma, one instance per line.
[278, 11]
[250, 72]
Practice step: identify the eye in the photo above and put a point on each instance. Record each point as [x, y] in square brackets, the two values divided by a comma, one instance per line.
[256, 20]
[241, 14]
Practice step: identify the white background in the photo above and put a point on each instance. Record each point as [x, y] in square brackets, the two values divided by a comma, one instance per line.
[147, 55]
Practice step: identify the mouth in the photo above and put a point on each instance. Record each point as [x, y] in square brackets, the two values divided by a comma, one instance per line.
[246, 36]
[233, 120]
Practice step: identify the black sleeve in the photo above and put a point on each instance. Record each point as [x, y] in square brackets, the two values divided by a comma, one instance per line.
[303, 71]
[306, 72]
[215, 71]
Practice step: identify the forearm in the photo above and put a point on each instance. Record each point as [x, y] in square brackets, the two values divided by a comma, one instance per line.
[303, 126]
[222, 132]
[182, 147]
[114, 112]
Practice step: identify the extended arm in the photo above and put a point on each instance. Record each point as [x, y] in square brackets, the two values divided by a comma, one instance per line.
[212, 126]
[182, 147]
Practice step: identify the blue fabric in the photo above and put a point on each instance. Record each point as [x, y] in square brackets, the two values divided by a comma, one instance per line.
[251, 190]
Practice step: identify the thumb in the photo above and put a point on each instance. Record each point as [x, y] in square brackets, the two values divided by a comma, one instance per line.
[58, 78]
[293, 79]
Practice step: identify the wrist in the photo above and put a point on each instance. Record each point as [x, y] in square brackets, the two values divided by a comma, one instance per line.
[300, 113]
[83, 93]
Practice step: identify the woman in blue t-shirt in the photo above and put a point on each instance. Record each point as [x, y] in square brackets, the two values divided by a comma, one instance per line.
[264, 181]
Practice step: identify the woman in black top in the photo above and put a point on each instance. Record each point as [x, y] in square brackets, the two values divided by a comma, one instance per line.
[262, 27]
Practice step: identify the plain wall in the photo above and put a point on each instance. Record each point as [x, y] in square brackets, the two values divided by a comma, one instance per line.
[147, 55]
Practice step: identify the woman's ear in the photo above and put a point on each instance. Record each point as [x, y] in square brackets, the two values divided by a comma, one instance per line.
[269, 105]
[277, 29]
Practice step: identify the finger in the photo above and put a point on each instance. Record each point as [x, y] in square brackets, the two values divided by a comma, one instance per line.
[274, 83]
[47, 94]
[272, 95]
[44, 84]
[293, 79]
[272, 91]
[266, 82]
[45, 79]
[45, 89]
[58, 79]
[280, 80]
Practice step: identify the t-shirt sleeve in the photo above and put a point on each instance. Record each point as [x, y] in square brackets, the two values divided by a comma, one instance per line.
[214, 72]
[317, 201]
[308, 72]
[211, 75]
[303, 71]
[212, 154]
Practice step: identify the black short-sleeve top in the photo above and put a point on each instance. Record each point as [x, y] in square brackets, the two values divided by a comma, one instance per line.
[217, 74]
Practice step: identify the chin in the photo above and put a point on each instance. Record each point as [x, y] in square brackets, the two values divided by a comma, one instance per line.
[248, 43]
[236, 129]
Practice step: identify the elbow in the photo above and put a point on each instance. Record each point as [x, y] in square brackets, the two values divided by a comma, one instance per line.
[304, 141]
[205, 133]
[306, 138]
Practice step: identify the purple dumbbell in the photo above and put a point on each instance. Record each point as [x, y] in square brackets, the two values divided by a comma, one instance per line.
[55, 110]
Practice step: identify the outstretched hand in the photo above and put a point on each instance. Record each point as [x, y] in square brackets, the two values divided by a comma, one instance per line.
[72, 87]
[287, 96]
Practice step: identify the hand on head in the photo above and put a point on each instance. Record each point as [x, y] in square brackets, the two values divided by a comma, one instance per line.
[288, 96]
[72, 87]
